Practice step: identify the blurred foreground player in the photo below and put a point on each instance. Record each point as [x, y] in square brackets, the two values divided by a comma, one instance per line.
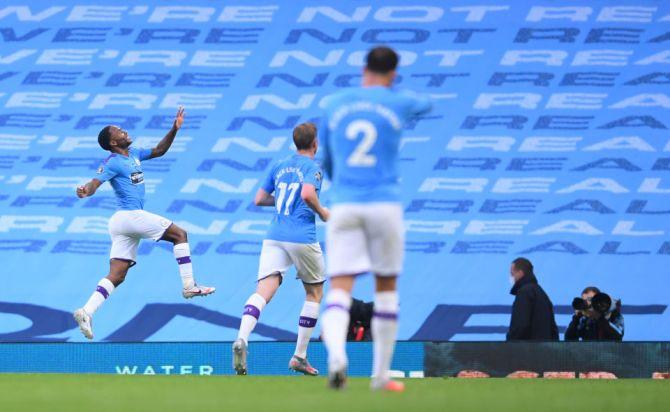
[130, 223]
[360, 137]
[292, 187]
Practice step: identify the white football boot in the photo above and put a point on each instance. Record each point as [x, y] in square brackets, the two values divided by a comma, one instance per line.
[300, 365]
[240, 357]
[197, 290]
[85, 322]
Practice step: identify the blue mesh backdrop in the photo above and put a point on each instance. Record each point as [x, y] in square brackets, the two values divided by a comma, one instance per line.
[549, 139]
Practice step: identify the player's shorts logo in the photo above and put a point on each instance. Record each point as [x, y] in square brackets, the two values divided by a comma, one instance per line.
[136, 178]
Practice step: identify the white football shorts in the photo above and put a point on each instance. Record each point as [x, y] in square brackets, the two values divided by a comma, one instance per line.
[365, 237]
[127, 227]
[278, 256]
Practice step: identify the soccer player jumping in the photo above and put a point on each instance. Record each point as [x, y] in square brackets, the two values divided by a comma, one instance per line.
[292, 187]
[360, 136]
[130, 223]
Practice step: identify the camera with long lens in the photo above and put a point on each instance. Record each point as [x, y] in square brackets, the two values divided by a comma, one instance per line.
[602, 303]
[597, 317]
[580, 304]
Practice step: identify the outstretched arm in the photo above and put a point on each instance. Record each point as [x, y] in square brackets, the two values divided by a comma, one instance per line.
[327, 163]
[419, 104]
[163, 146]
[88, 189]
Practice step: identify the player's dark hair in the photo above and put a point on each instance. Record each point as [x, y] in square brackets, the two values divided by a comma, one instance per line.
[523, 265]
[104, 137]
[304, 135]
[381, 60]
[590, 289]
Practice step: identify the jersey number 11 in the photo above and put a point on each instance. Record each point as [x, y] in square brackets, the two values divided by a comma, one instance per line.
[292, 188]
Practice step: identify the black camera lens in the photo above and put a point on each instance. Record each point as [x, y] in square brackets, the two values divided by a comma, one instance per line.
[601, 302]
[579, 304]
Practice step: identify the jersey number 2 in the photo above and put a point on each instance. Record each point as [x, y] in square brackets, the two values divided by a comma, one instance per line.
[361, 157]
[283, 187]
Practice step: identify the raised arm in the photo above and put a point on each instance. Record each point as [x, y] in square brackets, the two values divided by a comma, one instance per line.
[309, 196]
[88, 189]
[163, 146]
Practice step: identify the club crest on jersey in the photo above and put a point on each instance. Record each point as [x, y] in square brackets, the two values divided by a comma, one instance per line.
[136, 178]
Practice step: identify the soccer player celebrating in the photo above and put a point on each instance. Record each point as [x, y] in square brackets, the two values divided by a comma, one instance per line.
[130, 223]
[292, 187]
[360, 138]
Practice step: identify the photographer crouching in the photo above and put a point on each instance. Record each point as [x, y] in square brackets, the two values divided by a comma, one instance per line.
[597, 317]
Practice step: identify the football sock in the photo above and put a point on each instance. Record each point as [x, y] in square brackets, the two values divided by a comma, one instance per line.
[335, 322]
[182, 252]
[102, 292]
[252, 310]
[384, 330]
[306, 324]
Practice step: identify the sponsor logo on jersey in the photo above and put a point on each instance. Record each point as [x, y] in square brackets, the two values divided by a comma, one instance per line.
[100, 170]
[136, 178]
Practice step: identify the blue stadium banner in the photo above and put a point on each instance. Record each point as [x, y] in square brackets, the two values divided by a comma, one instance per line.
[548, 139]
[189, 358]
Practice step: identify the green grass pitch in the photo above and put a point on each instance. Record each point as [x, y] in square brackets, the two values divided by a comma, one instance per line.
[297, 393]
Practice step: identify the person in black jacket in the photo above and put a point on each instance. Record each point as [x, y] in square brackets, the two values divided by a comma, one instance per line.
[532, 312]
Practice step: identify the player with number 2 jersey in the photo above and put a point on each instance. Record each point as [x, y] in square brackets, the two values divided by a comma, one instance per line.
[360, 136]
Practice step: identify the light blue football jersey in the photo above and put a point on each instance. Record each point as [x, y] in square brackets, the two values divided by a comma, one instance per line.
[360, 136]
[126, 177]
[293, 221]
